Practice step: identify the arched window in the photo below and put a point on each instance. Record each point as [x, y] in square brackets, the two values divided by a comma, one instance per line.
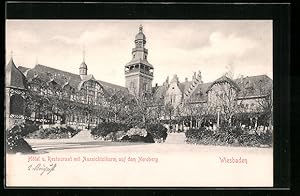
[17, 104]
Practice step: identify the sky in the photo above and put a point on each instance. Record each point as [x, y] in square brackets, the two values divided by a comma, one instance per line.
[182, 47]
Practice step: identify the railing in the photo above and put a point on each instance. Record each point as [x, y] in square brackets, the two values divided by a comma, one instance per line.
[139, 70]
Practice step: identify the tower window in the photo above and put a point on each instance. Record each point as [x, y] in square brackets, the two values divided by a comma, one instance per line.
[145, 87]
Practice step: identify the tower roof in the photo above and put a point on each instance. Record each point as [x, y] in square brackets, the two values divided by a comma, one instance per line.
[83, 65]
[142, 61]
[140, 35]
[14, 77]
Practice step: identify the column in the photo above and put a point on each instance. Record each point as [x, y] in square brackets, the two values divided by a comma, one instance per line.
[218, 119]
[7, 108]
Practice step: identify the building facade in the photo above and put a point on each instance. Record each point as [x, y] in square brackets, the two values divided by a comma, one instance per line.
[58, 96]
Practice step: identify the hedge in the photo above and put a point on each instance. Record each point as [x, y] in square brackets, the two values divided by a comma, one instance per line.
[58, 132]
[104, 128]
[233, 136]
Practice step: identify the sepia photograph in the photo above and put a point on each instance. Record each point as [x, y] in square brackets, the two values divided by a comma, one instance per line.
[139, 103]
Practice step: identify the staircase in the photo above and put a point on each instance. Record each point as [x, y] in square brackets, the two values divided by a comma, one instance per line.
[175, 138]
[84, 135]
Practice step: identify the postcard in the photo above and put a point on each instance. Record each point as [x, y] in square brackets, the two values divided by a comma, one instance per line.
[139, 103]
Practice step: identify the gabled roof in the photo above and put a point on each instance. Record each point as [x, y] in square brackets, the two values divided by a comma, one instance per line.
[113, 86]
[251, 86]
[23, 69]
[221, 80]
[184, 86]
[199, 94]
[244, 87]
[85, 78]
[160, 92]
[46, 73]
[14, 78]
[62, 77]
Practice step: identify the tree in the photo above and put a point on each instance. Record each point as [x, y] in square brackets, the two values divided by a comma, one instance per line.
[225, 98]
[196, 111]
[116, 102]
[265, 102]
[37, 101]
[169, 111]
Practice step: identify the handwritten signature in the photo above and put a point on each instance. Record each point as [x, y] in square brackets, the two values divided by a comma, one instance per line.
[42, 168]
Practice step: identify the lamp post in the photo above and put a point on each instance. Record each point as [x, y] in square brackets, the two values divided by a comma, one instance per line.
[218, 116]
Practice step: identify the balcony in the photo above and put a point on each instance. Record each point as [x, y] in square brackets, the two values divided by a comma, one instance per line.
[135, 70]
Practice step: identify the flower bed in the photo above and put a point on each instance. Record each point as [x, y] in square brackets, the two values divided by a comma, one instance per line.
[233, 136]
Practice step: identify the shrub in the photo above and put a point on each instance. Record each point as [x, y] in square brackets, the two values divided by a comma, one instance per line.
[148, 138]
[104, 128]
[120, 134]
[137, 131]
[29, 127]
[138, 138]
[54, 133]
[235, 136]
[111, 136]
[15, 142]
[157, 131]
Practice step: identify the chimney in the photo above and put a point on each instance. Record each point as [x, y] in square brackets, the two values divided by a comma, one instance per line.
[194, 76]
[186, 79]
[156, 84]
[167, 80]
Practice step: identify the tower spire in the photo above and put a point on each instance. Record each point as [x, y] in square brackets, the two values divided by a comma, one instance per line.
[141, 28]
[83, 67]
[83, 53]
[11, 54]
